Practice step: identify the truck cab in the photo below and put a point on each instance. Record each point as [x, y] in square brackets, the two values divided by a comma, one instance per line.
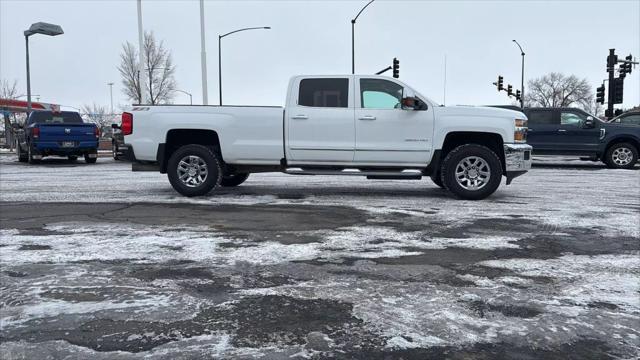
[365, 125]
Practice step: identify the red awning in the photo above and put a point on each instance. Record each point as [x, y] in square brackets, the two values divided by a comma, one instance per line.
[12, 105]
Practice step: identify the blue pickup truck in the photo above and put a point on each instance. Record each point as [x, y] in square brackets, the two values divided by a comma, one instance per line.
[62, 133]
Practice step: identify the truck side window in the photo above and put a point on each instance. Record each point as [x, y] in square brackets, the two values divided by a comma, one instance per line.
[324, 93]
[380, 94]
[541, 117]
[570, 118]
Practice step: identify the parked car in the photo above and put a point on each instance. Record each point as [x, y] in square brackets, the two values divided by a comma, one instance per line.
[629, 118]
[571, 131]
[61, 133]
[372, 126]
[117, 142]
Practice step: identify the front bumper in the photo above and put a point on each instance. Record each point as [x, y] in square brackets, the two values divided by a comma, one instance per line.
[517, 160]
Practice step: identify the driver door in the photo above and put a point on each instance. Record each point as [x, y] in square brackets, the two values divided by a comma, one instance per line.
[576, 137]
[385, 133]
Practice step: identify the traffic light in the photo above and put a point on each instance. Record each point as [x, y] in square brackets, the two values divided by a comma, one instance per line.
[509, 90]
[518, 95]
[612, 60]
[500, 83]
[618, 89]
[600, 94]
[396, 68]
[627, 63]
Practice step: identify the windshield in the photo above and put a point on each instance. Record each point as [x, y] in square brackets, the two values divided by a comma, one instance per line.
[49, 117]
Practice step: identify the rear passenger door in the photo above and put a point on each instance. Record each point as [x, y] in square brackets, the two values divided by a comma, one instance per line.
[542, 134]
[320, 121]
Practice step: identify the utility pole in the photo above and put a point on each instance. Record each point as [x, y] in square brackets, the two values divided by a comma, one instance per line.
[203, 57]
[142, 79]
[111, 94]
[612, 59]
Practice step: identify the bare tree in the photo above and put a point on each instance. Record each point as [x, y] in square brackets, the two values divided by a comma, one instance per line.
[159, 69]
[558, 90]
[98, 115]
[8, 90]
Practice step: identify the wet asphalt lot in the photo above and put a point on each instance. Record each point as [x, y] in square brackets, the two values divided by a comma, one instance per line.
[99, 262]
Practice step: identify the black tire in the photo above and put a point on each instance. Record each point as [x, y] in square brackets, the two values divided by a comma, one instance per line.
[90, 160]
[210, 181]
[22, 156]
[73, 158]
[437, 179]
[30, 154]
[613, 156]
[474, 151]
[114, 150]
[233, 179]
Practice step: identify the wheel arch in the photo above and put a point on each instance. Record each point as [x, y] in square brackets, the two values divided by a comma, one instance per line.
[621, 139]
[493, 141]
[176, 138]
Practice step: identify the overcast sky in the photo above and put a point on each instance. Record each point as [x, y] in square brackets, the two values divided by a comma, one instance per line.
[313, 37]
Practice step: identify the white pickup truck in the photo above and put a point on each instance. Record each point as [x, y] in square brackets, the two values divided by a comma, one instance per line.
[366, 125]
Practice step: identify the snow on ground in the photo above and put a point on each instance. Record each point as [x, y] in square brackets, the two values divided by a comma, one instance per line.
[546, 268]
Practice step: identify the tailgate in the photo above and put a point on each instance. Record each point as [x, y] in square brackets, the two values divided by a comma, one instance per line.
[76, 133]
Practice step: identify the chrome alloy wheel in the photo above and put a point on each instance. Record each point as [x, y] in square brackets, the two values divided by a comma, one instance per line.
[473, 173]
[192, 171]
[622, 156]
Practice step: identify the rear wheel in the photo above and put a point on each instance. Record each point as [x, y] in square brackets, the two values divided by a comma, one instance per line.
[90, 160]
[621, 156]
[30, 155]
[194, 170]
[231, 180]
[471, 172]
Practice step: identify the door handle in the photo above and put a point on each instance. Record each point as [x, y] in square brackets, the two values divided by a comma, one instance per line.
[367, 117]
[562, 130]
[300, 117]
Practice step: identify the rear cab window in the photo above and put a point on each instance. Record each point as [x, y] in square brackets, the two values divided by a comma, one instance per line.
[48, 117]
[324, 92]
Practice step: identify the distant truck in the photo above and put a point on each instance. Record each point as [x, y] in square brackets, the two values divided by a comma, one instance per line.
[371, 126]
[62, 133]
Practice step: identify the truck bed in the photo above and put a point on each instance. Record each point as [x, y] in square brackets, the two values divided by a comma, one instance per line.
[247, 134]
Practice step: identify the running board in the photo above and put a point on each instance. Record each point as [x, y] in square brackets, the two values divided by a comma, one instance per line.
[409, 174]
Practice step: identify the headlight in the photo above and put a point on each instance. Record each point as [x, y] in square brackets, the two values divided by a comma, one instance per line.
[521, 123]
[520, 133]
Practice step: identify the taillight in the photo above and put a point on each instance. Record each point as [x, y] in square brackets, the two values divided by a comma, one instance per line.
[96, 132]
[127, 123]
[35, 132]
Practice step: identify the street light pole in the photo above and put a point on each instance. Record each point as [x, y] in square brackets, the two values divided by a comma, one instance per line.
[522, 76]
[353, 40]
[37, 28]
[142, 79]
[220, 53]
[111, 93]
[203, 57]
[187, 93]
[26, 39]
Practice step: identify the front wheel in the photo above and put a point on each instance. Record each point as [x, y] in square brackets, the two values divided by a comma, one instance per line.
[471, 171]
[194, 170]
[114, 150]
[22, 156]
[621, 156]
[231, 180]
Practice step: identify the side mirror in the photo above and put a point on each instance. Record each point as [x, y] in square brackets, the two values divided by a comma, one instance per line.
[589, 123]
[413, 103]
[115, 126]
